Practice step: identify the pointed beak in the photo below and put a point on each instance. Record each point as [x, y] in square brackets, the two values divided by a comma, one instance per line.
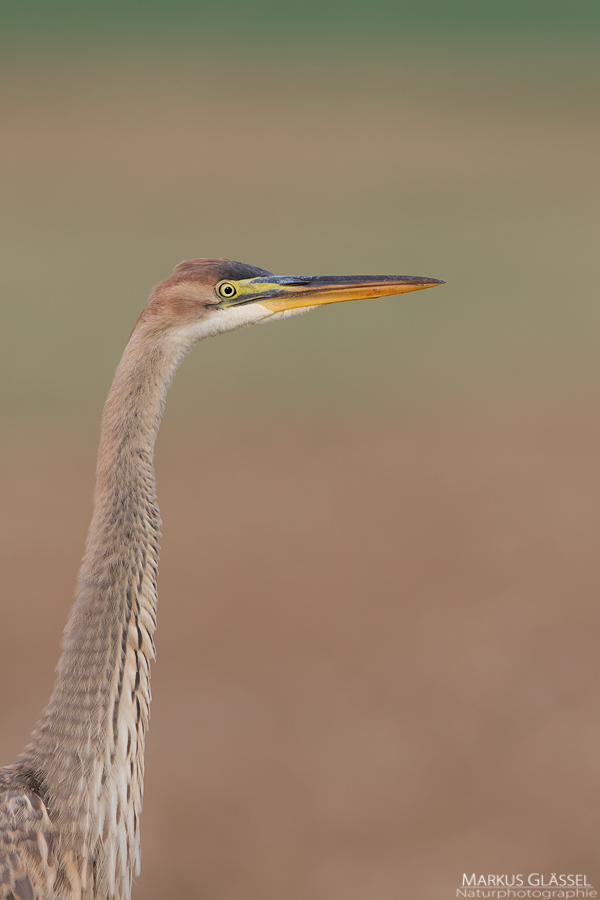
[289, 292]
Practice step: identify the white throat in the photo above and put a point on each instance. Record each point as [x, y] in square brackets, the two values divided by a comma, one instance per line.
[236, 317]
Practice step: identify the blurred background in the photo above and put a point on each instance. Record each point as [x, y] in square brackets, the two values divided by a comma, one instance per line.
[377, 645]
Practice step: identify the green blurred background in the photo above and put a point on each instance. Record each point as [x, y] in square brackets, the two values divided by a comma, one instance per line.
[423, 640]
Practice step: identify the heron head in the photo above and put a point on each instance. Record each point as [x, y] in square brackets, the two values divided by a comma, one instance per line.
[207, 296]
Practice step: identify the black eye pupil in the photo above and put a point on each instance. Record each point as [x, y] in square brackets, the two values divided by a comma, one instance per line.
[227, 289]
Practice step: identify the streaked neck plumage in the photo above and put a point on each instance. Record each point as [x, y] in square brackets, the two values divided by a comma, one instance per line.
[88, 749]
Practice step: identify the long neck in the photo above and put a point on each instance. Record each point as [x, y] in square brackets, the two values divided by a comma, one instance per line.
[89, 746]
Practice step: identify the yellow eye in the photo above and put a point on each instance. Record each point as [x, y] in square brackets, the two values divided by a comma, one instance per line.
[226, 290]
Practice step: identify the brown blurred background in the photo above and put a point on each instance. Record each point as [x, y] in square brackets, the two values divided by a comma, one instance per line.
[377, 646]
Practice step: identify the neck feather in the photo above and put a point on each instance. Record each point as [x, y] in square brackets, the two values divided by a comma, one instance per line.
[88, 749]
